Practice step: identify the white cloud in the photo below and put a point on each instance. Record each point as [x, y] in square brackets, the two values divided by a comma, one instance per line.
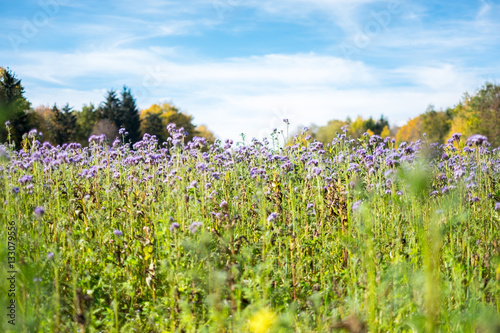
[443, 78]
[248, 94]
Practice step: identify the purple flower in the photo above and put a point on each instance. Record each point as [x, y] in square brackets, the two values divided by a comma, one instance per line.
[193, 227]
[497, 206]
[39, 211]
[272, 217]
[309, 206]
[174, 226]
[317, 171]
[118, 233]
[223, 204]
[477, 140]
[50, 255]
[475, 199]
[456, 137]
[25, 179]
[355, 205]
[458, 171]
[15, 190]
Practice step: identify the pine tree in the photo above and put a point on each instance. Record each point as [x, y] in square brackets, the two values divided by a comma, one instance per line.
[129, 115]
[13, 106]
[68, 123]
[110, 109]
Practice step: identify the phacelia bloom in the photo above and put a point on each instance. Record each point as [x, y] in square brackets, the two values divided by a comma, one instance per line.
[193, 227]
[309, 206]
[32, 133]
[317, 171]
[118, 233]
[355, 205]
[272, 217]
[223, 204]
[39, 211]
[3, 152]
[477, 140]
[25, 179]
[174, 226]
[475, 199]
[15, 190]
[458, 172]
[50, 255]
[497, 206]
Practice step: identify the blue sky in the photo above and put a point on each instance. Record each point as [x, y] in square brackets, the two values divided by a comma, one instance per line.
[241, 66]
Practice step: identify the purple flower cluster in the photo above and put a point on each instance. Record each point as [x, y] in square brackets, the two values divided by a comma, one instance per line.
[197, 172]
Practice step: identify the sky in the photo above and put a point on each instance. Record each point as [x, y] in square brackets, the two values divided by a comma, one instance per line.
[242, 66]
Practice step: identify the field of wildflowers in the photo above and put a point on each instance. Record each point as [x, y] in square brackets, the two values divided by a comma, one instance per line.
[358, 235]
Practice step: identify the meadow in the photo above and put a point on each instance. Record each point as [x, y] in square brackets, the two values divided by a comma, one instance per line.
[255, 236]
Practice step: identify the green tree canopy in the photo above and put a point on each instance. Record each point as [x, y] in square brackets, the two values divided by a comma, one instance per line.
[14, 106]
[478, 114]
[154, 121]
[129, 115]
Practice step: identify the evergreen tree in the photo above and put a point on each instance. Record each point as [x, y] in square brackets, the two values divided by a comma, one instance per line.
[110, 109]
[13, 106]
[129, 115]
[56, 126]
[68, 123]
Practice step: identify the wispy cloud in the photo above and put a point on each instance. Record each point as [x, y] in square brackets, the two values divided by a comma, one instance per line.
[242, 65]
[313, 88]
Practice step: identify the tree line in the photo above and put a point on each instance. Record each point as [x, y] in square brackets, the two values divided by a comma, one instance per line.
[478, 113]
[60, 125]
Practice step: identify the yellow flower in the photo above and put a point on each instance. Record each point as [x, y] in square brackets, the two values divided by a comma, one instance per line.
[262, 321]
